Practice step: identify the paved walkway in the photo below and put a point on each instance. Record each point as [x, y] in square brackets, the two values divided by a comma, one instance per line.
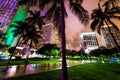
[18, 70]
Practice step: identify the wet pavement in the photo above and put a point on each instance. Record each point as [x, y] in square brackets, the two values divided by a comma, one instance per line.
[18, 70]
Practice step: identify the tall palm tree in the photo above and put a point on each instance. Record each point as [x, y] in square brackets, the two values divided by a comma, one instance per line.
[27, 33]
[58, 8]
[64, 75]
[101, 17]
[58, 13]
[74, 5]
[20, 28]
[31, 39]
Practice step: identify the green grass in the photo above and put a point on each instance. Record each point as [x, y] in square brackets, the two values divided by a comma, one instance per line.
[31, 61]
[91, 71]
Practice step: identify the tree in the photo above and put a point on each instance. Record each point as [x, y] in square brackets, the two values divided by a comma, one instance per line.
[20, 28]
[32, 33]
[35, 19]
[49, 50]
[101, 17]
[27, 34]
[31, 39]
[57, 7]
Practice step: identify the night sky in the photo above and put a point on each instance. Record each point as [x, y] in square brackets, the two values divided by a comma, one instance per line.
[74, 27]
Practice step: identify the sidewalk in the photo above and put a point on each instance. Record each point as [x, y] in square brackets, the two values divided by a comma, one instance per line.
[19, 70]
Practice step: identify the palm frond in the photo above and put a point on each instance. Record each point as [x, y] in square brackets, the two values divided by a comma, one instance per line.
[50, 12]
[94, 24]
[80, 12]
[36, 18]
[96, 13]
[31, 13]
[113, 24]
[40, 22]
[114, 10]
[19, 27]
[115, 17]
[16, 32]
[25, 39]
[42, 3]
[31, 35]
[107, 6]
[29, 19]
[65, 12]
[56, 18]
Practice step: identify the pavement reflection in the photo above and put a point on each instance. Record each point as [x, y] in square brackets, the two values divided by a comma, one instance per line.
[18, 70]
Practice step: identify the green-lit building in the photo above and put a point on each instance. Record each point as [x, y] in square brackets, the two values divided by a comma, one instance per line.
[10, 11]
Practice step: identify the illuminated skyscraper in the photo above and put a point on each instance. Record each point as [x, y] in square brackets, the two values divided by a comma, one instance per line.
[107, 38]
[11, 12]
[90, 41]
[7, 11]
[50, 35]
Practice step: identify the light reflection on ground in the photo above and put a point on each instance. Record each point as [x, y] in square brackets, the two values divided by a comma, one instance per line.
[18, 70]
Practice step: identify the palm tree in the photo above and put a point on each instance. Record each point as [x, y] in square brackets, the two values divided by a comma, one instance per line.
[27, 33]
[35, 19]
[20, 28]
[101, 17]
[31, 39]
[57, 8]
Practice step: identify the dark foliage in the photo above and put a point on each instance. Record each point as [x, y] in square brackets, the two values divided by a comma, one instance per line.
[104, 52]
[11, 50]
[46, 49]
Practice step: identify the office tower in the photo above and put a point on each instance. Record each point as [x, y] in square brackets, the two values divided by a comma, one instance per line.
[90, 41]
[107, 38]
[49, 35]
[7, 11]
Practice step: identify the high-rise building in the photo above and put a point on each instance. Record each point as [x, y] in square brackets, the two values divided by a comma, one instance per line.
[7, 11]
[107, 39]
[49, 35]
[10, 11]
[90, 41]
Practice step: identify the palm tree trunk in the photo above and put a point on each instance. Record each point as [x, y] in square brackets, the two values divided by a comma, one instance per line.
[27, 57]
[19, 37]
[117, 46]
[9, 61]
[28, 53]
[64, 75]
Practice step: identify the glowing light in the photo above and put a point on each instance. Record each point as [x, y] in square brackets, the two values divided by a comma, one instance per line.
[12, 70]
[20, 16]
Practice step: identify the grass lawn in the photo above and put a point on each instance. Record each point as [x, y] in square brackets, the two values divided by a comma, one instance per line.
[31, 61]
[88, 71]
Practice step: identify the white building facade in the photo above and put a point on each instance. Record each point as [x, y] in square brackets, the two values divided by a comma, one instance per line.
[90, 41]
